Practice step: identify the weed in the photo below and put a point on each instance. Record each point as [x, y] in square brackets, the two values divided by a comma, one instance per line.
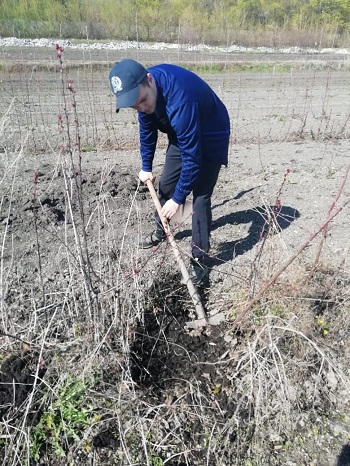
[323, 327]
[88, 149]
[64, 420]
[155, 461]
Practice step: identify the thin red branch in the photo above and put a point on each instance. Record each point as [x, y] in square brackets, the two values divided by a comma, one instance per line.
[274, 277]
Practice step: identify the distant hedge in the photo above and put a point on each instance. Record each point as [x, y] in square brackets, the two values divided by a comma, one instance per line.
[247, 22]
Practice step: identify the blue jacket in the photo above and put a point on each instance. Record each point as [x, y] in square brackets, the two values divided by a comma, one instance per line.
[194, 119]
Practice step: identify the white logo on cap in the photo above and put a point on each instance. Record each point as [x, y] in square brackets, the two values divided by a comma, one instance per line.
[116, 84]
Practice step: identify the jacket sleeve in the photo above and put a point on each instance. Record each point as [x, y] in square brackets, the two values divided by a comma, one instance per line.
[148, 140]
[186, 123]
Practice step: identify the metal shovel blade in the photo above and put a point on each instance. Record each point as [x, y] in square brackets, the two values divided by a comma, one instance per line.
[216, 319]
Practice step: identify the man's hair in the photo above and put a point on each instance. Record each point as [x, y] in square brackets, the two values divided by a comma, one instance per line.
[145, 81]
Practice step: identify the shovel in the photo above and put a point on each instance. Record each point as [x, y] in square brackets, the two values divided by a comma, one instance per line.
[203, 320]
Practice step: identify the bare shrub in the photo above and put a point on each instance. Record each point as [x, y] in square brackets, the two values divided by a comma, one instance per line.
[96, 363]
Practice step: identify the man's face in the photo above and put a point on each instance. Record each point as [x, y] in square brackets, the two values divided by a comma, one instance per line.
[146, 102]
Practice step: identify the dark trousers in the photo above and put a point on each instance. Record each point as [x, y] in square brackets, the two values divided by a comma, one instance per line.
[202, 192]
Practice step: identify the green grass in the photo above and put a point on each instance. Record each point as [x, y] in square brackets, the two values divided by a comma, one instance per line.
[66, 417]
[260, 67]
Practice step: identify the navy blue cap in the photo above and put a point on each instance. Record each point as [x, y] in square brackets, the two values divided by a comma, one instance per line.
[125, 78]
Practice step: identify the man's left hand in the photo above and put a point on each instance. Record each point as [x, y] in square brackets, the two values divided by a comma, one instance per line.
[169, 209]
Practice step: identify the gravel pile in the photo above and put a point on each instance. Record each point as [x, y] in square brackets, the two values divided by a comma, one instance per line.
[124, 45]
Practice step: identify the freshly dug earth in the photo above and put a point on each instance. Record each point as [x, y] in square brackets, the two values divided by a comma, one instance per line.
[274, 391]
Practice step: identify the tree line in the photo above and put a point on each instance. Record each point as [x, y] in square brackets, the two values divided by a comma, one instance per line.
[208, 21]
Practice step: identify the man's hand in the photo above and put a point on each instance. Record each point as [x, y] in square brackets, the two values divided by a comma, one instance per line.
[144, 176]
[169, 209]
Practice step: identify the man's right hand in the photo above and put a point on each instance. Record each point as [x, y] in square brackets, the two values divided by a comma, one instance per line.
[144, 176]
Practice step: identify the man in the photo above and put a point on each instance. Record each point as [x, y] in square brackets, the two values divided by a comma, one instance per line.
[173, 100]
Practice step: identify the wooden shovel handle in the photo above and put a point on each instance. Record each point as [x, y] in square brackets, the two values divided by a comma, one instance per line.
[190, 286]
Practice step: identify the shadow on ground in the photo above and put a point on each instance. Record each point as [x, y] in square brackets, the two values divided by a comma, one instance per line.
[344, 457]
[263, 220]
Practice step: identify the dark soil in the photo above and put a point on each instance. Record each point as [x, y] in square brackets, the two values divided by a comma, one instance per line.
[17, 378]
[273, 392]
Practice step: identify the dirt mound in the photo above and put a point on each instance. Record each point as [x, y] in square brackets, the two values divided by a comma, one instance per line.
[17, 378]
[163, 350]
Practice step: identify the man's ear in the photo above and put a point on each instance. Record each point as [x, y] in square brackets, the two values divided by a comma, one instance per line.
[150, 78]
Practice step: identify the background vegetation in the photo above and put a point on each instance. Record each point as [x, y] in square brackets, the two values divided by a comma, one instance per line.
[320, 23]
